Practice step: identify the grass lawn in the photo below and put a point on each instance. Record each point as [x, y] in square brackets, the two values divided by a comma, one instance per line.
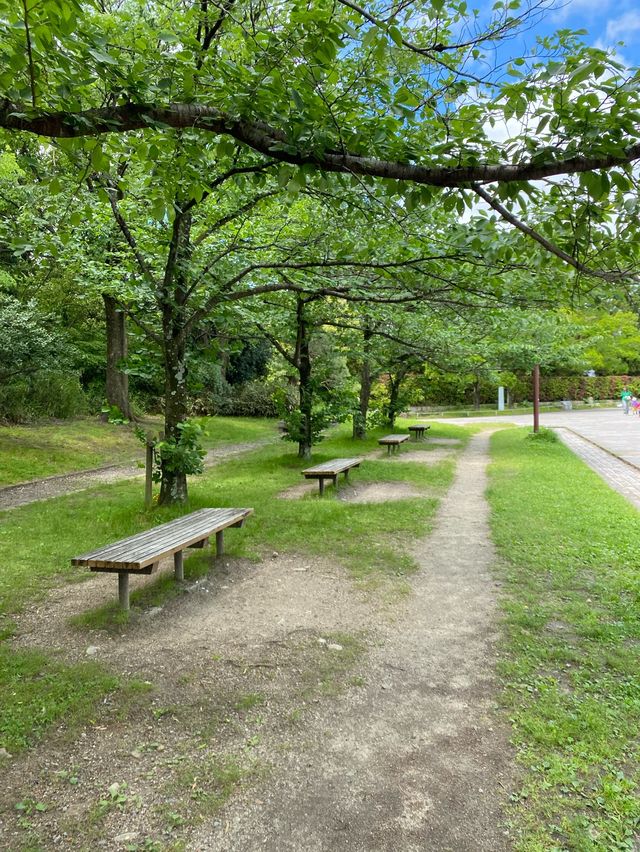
[47, 449]
[371, 540]
[570, 551]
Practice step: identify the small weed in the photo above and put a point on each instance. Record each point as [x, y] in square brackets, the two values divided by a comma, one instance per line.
[251, 699]
[543, 435]
[31, 806]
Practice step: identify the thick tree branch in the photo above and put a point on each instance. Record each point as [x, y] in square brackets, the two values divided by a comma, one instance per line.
[273, 143]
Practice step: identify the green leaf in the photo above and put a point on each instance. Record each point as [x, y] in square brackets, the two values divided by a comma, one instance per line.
[395, 35]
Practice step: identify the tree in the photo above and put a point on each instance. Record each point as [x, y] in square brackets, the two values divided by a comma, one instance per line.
[351, 89]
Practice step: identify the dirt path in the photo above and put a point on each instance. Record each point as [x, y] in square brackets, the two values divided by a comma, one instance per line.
[54, 486]
[417, 759]
[353, 723]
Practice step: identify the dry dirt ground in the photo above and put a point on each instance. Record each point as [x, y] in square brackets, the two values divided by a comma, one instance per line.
[290, 709]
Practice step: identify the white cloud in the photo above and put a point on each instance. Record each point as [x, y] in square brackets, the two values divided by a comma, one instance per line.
[624, 28]
[587, 8]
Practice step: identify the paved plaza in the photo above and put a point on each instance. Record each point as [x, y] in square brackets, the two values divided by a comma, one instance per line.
[606, 439]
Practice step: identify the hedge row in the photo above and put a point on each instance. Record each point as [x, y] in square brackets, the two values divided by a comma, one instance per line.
[553, 388]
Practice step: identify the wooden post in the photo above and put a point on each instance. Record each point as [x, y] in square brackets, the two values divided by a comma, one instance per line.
[123, 589]
[148, 483]
[219, 543]
[178, 565]
[536, 398]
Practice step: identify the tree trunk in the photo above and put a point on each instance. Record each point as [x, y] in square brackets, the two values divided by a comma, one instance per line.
[366, 382]
[394, 393]
[306, 390]
[476, 393]
[117, 381]
[173, 485]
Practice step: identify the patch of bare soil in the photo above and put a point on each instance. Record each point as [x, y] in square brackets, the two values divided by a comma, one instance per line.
[326, 720]
[378, 492]
[295, 492]
[424, 456]
[54, 486]
[363, 492]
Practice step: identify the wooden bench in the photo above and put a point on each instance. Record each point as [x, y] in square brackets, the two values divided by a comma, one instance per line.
[141, 553]
[331, 470]
[418, 430]
[392, 442]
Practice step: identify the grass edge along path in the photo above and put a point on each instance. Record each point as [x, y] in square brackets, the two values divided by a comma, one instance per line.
[569, 551]
[375, 544]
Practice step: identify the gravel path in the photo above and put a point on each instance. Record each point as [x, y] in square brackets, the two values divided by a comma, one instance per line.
[417, 759]
[54, 486]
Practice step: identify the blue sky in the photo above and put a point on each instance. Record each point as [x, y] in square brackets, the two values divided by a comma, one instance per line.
[607, 22]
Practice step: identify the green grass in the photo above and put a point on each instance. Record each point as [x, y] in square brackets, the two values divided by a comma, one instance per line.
[32, 452]
[47, 449]
[570, 550]
[371, 540]
[236, 430]
[38, 691]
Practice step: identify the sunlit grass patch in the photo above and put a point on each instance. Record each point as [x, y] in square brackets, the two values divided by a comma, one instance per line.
[569, 547]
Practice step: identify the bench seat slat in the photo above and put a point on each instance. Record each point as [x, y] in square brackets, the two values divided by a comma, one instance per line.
[331, 468]
[138, 551]
[133, 544]
[393, 439]
[164, 538]
[128, 545]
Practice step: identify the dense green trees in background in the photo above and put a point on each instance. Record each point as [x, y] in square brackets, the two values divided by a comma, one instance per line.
[321, 209]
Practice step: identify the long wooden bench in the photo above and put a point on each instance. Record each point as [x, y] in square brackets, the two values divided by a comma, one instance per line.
[141, 553]
[331, 470]
[419, 429]
[392, 442]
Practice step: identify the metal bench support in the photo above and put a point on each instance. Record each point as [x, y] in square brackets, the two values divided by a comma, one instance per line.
[178, 565]
[123, 589]
[219, 543]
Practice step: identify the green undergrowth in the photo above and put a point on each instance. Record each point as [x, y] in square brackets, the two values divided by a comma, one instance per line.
[569, 547]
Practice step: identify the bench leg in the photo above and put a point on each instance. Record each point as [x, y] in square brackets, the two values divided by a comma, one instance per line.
[389, 448]
[321, 481]
[178, 565]
[123, 589]
[346, 476]
[219, 543]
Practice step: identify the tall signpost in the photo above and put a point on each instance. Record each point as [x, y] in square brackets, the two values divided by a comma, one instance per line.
[536, 398]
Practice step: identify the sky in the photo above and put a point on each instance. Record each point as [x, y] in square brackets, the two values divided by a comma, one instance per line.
[607, 22]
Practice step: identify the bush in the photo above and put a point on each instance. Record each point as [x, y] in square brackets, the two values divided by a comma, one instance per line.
[251, 399]
[44, 394]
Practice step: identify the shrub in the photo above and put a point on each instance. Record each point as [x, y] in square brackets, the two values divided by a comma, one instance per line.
[43, 394]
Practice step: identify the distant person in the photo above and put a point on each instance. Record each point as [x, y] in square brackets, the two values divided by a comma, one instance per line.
[625, 396]
[635, 405]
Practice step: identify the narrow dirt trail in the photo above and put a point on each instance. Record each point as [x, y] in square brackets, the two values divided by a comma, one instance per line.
[417, 759]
